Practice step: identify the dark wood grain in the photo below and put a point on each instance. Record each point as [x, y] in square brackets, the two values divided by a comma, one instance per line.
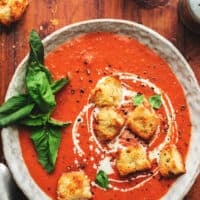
[49, 15]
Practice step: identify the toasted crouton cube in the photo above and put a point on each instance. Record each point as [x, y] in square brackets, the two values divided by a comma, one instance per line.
[170, 161]
[132, 159]
[143, 121]
[108, 123]
[11, 10]
[107, 93]
[73, 186]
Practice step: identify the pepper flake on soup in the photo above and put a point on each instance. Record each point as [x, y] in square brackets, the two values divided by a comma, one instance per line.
[129, 134]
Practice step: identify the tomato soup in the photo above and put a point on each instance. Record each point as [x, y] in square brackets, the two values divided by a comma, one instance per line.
[86, 60]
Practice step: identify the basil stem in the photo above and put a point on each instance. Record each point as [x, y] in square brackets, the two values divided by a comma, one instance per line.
[59, 84]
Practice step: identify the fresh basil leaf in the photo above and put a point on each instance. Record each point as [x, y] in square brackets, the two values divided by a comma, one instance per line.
[39, 89]
[138, 99]
[46, 142]
[54, 138]
[35, 120]
[39, 67]
[55, 122]
[14, 103]
[7, 119]
[59, 84]
[48, 74]
[102, 179]
[40, 141]
[155, 101]
[34, 108]
[37, 53]
[36, 48]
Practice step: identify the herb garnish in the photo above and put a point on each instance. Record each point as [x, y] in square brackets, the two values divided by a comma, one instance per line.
[155, 101]
[138, 99]
[102, 179]
[34, 108]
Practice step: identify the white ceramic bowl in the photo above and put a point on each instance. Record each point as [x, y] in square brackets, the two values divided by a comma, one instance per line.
[157, 43]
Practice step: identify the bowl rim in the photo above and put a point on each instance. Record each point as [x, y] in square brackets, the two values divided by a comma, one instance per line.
[48, 39]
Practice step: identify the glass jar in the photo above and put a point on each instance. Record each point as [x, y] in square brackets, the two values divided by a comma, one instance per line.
[189, 11]
[151, 3]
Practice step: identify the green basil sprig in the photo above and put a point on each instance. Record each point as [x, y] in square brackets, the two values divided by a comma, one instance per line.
[34, 108]
[102, 179]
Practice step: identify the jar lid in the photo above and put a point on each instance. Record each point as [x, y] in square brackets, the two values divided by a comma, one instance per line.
[194, 6]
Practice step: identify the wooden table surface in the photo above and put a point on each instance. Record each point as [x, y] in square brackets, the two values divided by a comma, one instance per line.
[49, 15]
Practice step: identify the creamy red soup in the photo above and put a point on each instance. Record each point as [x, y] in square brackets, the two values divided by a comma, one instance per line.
[86, 60]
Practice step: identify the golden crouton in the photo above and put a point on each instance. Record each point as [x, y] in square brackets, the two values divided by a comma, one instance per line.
[132, 159]
[170, 161]
[11, 10]
[107, 93]
[143, 121]
[108, 123]
[73, 186]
